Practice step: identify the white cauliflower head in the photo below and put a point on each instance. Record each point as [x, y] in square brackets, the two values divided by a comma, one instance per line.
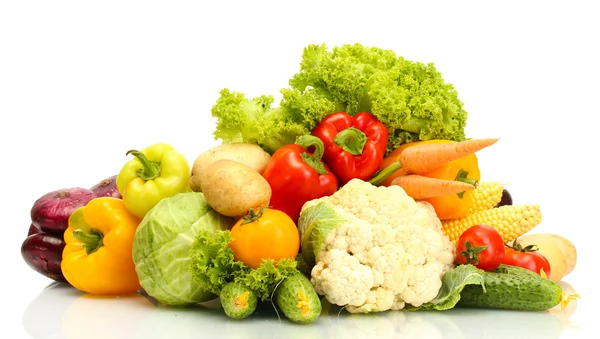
[374, 248]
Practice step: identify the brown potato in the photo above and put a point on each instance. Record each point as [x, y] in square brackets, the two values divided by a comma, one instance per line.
[248, 154]
[569, 250]
[232, 188]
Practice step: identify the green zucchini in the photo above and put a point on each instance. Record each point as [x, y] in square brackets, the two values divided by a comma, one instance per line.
[512, 288]
[298, 300]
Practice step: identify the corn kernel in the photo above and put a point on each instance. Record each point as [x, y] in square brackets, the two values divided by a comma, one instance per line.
[511, 221]
[486, 195]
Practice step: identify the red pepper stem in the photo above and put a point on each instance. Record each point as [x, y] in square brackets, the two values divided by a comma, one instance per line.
[351, 140]
[386, 172]
[91, 240]
[313, 160]
[150, 169]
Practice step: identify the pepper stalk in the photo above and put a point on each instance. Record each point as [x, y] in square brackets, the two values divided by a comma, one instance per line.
[150, 169]
[313, 160]
[91, 238]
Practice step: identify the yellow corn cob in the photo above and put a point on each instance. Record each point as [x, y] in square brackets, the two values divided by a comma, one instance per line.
[487, 195]
[511, 221]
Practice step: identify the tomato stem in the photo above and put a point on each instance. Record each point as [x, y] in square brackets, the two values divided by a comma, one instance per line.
[471, 252]
[252, 216]
[519, 248]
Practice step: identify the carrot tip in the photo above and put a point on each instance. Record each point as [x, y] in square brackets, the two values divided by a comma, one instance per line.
[425, 157]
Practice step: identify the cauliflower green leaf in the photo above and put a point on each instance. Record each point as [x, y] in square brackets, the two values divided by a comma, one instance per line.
[453, 282]
[315, 223]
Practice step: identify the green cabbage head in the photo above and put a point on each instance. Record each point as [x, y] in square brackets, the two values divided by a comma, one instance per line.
[162, 244]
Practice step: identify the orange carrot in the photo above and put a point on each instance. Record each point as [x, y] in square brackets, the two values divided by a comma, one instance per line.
[425, 157]
[420, 187]
[391, 162]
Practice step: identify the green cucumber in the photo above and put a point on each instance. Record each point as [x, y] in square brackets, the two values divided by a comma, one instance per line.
[512, 288]
[237, 300]
[298, 300]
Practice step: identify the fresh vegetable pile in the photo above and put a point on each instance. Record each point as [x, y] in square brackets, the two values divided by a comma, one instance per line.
[359, 188]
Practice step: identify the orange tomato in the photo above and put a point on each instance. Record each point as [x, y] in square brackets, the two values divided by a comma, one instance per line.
[267, 234]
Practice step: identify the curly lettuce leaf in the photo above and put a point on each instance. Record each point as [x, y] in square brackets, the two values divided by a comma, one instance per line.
[453, 282]
[213, 266]
[340, 74]
[212, 262]
[258, 120]
[410, 98]
[265, 278]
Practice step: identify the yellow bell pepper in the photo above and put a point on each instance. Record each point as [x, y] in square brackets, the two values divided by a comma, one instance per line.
[97, 257]
[156, 172]
[454, 206]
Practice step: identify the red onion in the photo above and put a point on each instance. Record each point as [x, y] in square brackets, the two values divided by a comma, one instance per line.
[51, 212]
[43, 252]
[107, 188]
[33, 229]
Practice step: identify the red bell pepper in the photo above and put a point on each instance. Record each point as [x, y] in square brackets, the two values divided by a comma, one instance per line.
[297, 176]
[354, 146]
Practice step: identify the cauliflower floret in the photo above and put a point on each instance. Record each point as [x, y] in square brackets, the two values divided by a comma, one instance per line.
[340, 276]
[380, 249]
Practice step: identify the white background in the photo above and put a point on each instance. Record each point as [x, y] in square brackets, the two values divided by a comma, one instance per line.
[81, 83]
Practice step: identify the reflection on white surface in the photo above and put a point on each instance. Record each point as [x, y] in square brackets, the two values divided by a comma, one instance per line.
[60, 311]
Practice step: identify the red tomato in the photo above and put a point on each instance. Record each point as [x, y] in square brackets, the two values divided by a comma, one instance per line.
[482, 246]
[527, 258]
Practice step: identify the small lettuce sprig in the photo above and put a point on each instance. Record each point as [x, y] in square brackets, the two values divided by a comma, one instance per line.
[213, 266]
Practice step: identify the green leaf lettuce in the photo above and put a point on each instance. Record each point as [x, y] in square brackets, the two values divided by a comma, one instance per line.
[410, 98]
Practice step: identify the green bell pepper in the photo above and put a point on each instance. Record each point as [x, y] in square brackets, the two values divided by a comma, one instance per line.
[156, 172]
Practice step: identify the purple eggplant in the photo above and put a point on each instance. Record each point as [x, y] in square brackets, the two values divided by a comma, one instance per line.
[107, 188]
[43, 252]
[50, 213]
[506, 199]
